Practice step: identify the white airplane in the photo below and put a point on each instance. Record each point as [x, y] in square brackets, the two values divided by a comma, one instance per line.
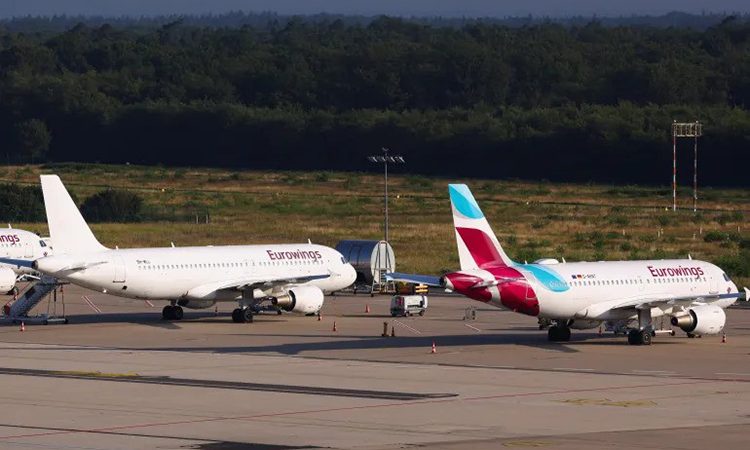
[20, 245]
[292, 277]
[624, 295]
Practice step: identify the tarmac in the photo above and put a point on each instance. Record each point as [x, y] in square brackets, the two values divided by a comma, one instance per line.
[118, 377]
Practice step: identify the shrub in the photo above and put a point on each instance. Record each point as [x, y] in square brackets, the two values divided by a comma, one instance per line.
[113, 205]
[21, 203]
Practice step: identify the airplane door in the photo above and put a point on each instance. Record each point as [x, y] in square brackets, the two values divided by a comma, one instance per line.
[28, 250]
[119, 275]
[713, 287]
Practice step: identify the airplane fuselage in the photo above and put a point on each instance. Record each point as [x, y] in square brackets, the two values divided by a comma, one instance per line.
[589, 290]
[197, 273]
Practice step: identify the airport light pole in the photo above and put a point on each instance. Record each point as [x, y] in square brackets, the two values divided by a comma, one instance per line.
[685, 130]
[385, 158]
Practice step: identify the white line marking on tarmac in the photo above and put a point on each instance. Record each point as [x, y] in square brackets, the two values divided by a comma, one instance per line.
[473, 328]
[91, 304]
[656, 372]
[573, 369]
[413, 330]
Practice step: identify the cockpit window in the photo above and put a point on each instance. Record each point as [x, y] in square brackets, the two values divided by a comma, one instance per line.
[343, 260]
[726, 278]
[42, 244]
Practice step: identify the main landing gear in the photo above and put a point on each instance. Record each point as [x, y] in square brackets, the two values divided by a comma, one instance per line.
[642, 336]
[172, 312]
[558, 333]
[242, 315]
[639, 337]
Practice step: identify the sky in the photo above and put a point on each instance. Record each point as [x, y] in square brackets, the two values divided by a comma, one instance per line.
[449, 8]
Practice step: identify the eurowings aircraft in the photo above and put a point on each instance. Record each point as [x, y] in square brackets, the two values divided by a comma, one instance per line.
[21, 245]
[291, 277]
[624, 295]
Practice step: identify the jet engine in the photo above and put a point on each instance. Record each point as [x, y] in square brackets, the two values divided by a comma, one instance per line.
[7, 279]
[196, 304]
[301, 300]
[706, 319]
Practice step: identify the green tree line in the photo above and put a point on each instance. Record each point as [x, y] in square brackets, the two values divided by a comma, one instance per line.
[543, 101]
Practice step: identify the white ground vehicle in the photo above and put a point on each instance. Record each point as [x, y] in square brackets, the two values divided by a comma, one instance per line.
[406, 305]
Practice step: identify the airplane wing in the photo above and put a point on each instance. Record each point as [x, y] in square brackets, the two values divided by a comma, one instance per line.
[429, 280]
[644, 302]
[17, 262]
[650, 302]
[243, 284]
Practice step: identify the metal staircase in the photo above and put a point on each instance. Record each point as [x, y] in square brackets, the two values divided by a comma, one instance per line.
[34, 293]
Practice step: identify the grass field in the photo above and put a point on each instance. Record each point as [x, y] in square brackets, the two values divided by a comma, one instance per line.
[532, 219]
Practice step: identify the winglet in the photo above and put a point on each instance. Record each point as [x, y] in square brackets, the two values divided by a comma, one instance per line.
[747, 295]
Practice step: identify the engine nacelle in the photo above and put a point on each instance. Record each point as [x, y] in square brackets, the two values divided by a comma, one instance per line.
[301, 300]
[7, 279]
[196, 304]
[707, 319]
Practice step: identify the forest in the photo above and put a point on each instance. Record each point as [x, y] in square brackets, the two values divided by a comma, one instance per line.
[542, 101]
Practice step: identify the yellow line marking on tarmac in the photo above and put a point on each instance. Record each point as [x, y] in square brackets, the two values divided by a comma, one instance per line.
[608, 402]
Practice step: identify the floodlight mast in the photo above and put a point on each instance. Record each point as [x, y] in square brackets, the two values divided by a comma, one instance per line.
[685, 130]
[385, 159]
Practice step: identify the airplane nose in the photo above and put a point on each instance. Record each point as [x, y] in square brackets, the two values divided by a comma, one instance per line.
[351, 274]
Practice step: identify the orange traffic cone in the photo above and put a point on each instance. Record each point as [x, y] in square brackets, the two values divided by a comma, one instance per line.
[334, 326]
[600, 330]
[393, 330]
[320, 317]
[434, 349]
[367, 309]
[723, 338]
[23, 327]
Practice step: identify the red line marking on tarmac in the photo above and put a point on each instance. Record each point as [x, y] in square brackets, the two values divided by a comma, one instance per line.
[350, 408]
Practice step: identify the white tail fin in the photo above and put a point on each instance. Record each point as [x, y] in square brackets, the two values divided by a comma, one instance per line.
[68, 230]
[477, 244]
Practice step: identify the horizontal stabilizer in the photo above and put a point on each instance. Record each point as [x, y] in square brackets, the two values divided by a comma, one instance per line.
[429, 280]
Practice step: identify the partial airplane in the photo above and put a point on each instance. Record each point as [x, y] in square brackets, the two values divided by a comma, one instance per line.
[624, 295]
[21, 245]
[291, 277]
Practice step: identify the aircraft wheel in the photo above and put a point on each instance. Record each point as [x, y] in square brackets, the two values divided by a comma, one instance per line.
[639, 337]
[237, 315]
[167, 313]
[645, 337]
[177, 313]
[557, 333]
[247, 315]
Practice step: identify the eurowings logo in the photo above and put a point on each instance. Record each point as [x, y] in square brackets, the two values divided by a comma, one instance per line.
[298, 254]
[11, 238]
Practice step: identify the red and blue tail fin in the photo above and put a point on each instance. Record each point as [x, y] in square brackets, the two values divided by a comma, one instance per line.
[477, 244]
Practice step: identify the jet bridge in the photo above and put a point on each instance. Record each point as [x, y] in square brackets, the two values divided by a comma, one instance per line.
[17, 311]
